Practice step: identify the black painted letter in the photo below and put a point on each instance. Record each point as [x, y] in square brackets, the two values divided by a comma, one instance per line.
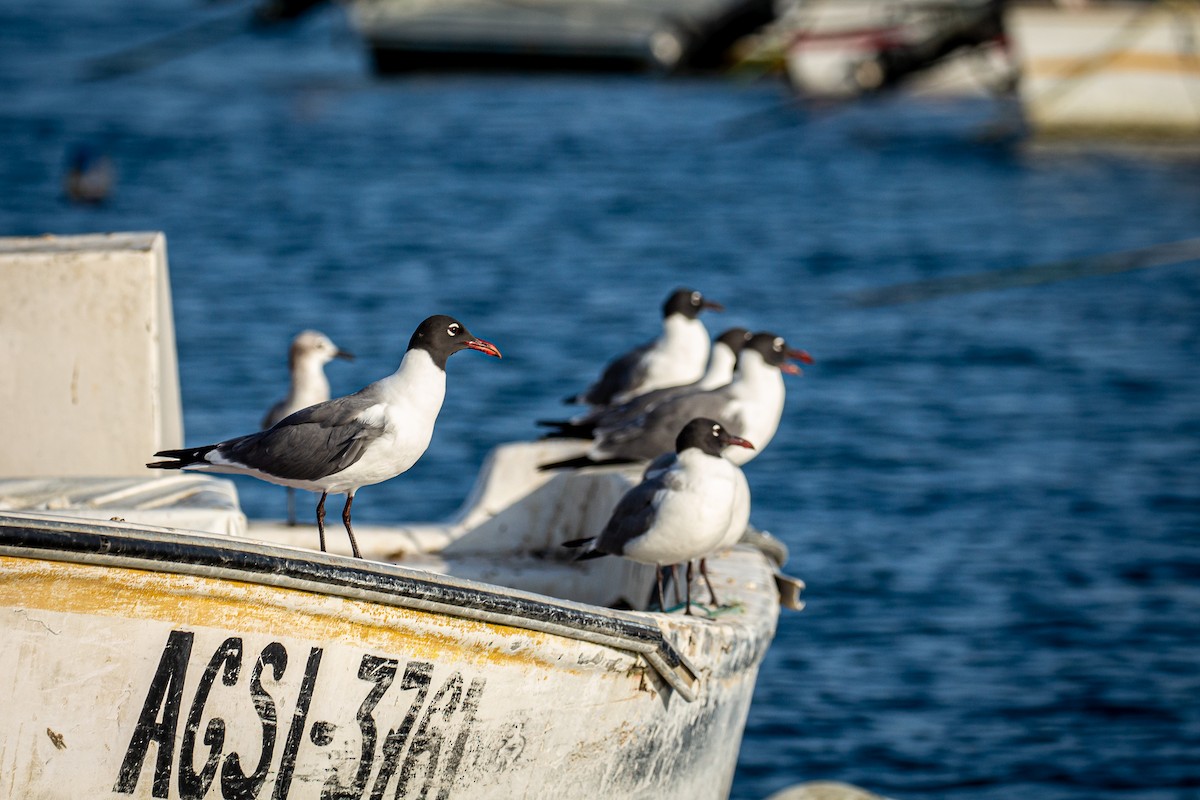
[287, 764]
[193, 785]
[165, 695]
[416, 676]
[235, 784]
[381, 672]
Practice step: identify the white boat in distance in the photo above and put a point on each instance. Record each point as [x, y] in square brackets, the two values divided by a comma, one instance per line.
[844, 49]
[1108, 68]
[593, 35]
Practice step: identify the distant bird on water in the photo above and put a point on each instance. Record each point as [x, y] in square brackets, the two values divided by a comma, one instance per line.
[679, 513]
[341, 445]
[89, 176]
[307, 357]
[676, 357]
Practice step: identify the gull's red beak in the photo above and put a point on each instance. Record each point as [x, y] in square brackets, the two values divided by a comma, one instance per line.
[484, 347]
[801, 355]
[712, 305]
[346, 354]
[737, 441]
[790, 369]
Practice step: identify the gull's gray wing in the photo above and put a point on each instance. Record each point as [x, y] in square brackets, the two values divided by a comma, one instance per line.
[615, 416]
[653, 433]
[634, 515]
[660, 465]
[311, 444]
[618, 377]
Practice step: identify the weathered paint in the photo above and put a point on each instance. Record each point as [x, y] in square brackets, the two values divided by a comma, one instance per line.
[85, 322]
[90, 648]
[126, 672]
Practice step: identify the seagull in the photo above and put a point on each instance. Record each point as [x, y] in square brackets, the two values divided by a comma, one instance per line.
[751, 404]
[676, 357]
[307, 357]
[341, 445]
[739, 520]
[679, 514]
[721, 362]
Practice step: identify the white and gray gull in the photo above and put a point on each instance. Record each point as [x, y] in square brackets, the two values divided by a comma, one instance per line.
[676, 357]
[679, 513]
[307, 357]
[751, 406]
[341, 445]
[721, 363]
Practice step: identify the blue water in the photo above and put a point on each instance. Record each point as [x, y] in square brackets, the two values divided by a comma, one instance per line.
[994, 498]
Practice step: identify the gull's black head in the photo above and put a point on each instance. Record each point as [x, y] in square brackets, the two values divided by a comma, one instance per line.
[735, 339]
[442, 336]
[774, 350]
[708, 435]
[689, 303]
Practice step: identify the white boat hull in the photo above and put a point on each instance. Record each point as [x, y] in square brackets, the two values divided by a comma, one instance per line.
[838, 50]
[148, 662]
[1121, 68]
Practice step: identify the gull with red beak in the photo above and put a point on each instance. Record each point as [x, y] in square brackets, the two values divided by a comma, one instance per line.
[679, 513]
[341, 445]
[676, 357]
[751, 405]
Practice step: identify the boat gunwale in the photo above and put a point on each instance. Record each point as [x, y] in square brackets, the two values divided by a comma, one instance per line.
[196, 554]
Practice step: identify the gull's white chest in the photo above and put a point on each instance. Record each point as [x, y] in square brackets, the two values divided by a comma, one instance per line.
[401, 425]
[693, 512]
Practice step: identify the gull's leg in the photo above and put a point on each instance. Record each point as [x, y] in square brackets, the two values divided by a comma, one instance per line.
[346, 522]
[321, 519]
[704, 572]
[291, 506]
[689, 589]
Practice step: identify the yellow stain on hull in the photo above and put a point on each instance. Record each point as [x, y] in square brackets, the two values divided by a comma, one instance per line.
[1126, 61]
[243, 607]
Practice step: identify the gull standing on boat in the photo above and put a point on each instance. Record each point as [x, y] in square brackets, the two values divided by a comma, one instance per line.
[676, 357]
[680, 513]
[739, 519]
[721, 363]
[307, 357]
[751, 405]
[341, 445]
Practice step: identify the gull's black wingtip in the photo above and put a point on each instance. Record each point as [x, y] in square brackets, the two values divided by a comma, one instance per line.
[181, 458]
[564, 429]
[580, 462]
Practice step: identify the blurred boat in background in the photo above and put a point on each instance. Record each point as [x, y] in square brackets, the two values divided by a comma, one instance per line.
[594, 35]
[843, 49]
[1109, 67]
